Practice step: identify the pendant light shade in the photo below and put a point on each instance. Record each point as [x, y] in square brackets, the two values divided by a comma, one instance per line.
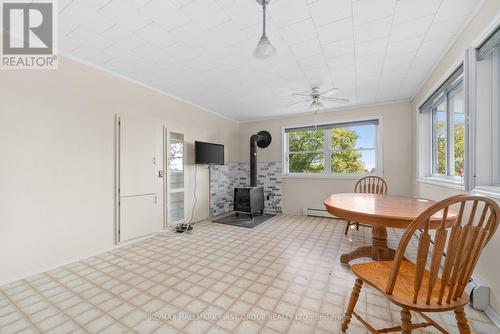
[264, 48]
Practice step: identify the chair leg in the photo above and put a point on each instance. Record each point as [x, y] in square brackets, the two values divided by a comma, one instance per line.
[406, 327]
[352, 302]
[462, 324]
[347, 224]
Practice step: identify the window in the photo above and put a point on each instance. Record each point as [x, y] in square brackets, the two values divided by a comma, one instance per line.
[487, 115]
[448, 133]
[444, 116]
[332, 149]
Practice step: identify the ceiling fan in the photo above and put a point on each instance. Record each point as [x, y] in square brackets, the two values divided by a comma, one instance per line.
[318, 99]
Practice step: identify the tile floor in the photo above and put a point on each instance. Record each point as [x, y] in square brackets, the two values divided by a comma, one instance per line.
[283, 276]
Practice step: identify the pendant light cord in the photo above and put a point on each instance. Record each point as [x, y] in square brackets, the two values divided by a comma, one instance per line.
[264, 5]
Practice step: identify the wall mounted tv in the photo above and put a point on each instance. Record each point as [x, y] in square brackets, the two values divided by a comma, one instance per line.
[208, 154]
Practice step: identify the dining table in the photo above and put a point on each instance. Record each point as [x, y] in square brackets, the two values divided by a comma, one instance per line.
[380, 212]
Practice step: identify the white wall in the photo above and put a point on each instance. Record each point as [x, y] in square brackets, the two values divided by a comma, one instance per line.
[487, 269]
[309, 192]
[57, 160]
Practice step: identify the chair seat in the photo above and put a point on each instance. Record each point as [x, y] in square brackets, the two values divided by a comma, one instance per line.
[377, 274]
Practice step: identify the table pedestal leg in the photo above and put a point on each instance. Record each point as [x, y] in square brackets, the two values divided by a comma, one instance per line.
[378, 251]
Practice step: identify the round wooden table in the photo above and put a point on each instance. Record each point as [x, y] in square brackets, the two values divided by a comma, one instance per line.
[379, 211]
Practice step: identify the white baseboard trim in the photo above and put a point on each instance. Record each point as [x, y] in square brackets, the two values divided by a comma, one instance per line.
[70, 261]
[493, 315]
[317, 213]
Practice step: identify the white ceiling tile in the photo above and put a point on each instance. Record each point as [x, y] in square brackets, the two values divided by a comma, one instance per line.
[90, 39]
[339, 48]
[410, 29]
[335, 31]
[371, 10]
[180, 50]
[451, 9]
[405, 47]
[372, 47]
[318, 77]
[167, 15]
[122, 36]
[181, 3]
[340, 62]
[79, 12]
[313, 62]
[433, 48]
[286, 12]
[372, 30]
[90, 54]
[306, 49]
[448, 28]
[244, 13]
[409, 10]
[299, 32]
[206, 13]
[201, 50]
[223, 35]
[124, 14]
[327, 11]
[224, 2]
[156, 35]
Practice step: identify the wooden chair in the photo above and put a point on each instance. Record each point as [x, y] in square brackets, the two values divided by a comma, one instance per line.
[423, 287]
[368, 185]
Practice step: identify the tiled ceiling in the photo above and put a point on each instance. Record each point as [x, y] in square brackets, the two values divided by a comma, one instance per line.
[201, 50]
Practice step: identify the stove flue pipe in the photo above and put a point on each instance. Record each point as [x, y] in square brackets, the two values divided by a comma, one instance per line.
[253, 160]
[262, 139]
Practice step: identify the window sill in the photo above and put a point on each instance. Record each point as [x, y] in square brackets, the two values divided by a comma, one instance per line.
[442, 182]
[490, 191]
[325, 176]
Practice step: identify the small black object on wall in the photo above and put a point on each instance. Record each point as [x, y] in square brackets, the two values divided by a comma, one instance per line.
[250, 200]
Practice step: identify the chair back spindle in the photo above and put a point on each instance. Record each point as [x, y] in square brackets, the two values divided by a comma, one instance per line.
[459, 241]
[371, 185]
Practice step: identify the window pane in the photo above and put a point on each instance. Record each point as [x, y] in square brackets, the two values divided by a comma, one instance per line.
[439, 141]
[306, 163]
[456, 103]
[354, 137]
[356, 162]
[306, 140]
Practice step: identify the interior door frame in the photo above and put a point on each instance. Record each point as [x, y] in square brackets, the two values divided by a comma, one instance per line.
[117, 178]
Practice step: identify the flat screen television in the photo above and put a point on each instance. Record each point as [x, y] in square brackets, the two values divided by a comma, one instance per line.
[208, 153]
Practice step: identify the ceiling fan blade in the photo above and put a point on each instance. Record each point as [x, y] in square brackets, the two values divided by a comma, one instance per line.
[302, 94]
[334, 99]
[330, 91]
[296, 103]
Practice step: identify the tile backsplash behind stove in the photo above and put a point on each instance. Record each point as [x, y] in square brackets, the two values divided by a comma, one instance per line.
[223, 180]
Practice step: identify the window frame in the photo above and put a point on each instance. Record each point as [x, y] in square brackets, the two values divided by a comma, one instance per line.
[423, 124]
[328, 150]
[425, 131]
[449, 129]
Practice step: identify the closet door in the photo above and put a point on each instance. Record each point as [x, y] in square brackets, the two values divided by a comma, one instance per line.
[140, 178]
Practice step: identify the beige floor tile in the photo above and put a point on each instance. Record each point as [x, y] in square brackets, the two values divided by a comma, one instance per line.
[235, 280]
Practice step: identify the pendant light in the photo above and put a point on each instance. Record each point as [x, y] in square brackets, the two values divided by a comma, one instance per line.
[264, 48]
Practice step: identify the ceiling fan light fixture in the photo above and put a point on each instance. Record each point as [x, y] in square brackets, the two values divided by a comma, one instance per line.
[264, 48]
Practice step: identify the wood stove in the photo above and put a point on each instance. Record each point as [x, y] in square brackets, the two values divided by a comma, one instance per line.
[250, 200]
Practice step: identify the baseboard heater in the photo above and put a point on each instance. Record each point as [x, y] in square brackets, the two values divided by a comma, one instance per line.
[310, 212]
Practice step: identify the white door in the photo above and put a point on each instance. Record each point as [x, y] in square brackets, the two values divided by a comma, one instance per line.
[140, 178]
